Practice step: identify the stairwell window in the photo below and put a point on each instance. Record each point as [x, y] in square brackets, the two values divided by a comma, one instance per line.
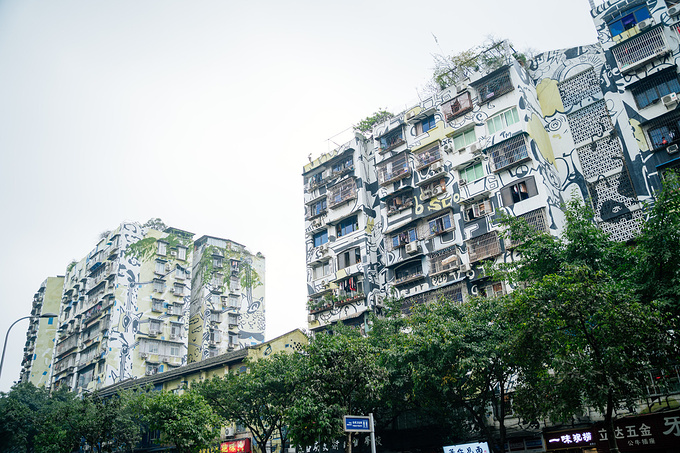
[501, 121]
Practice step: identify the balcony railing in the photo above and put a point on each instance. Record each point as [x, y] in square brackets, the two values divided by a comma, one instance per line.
[508, 152]
[640, 49]
[484, 246]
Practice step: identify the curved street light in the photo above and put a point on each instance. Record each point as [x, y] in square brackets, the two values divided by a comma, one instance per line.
[4, 348]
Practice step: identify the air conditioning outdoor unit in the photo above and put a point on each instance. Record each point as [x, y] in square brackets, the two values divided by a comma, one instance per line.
[645, 24]
[672, 149]
[325, 174]
[670, 100]
[475, 148]
[412, 247]
[172, 290]
[229, 432]
[447, 147]
[173, 252]
[168, 267]
[410, 115]
[461, 87]
[435, 167]
[436, 190]
[462, 182]
[143, 355]
[674, 10]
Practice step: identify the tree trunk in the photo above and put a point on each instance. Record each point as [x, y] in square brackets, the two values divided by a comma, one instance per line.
[609, 424]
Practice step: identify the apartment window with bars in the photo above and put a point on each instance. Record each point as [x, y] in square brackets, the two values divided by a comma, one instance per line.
[427, 156]
[640, 49]
[317, 208]
[409, 272]
[494, 86]
[175, 330]
[399, 202]
[393, 169]
[651, 89]
[392, 140]
[484, 246]
[535, 219]
[459, 105]
[154, 327]
[444, 261]
[344, 191]
[157, 304]
[508, 152]
[342, 165]
[159, 286]
[663, 131]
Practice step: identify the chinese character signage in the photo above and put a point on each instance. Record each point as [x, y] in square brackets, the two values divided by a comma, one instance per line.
[658, 431]
[570, 439]
[235, 446]
[475, 447]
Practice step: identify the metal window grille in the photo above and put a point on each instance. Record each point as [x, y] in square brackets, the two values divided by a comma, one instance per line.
[639, 49]
[494, 87]
[393, 169]
[342, 192]
[484, 246]
[582, 86]
[535, 219]
[508, 152]
[663, 132]
[651, 89]
[600, 157]
[391, 141]
[624, 227]
[427, 156]
[453, 293]
[459, 105]
[590, 122]
[444, 261]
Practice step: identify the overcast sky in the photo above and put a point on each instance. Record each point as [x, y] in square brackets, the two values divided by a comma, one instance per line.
[203, 113]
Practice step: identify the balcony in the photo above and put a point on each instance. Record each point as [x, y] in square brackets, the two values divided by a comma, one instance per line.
[508, 153]
[640, 49]
[484, 246]
[460, 105]
[408, 277]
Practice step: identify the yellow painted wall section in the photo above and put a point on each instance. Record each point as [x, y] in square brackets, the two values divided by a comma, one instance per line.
[538, 133]
[44, 345]
[549, 97]
[639, 135]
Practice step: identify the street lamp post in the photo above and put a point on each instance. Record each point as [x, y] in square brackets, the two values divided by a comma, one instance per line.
[4, 348]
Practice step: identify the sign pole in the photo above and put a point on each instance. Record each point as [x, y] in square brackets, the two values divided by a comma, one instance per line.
[370, 416]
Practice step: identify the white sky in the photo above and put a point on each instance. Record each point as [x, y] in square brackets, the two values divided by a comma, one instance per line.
[203, 113]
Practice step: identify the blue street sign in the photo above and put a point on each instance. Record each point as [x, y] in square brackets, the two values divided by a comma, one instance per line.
[357, 423]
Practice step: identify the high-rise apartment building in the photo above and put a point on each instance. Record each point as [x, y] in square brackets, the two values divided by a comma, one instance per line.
[125, 308]
[421, 194]
[40, 337]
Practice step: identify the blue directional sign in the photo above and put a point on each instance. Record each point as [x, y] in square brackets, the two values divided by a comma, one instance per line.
[357, 423]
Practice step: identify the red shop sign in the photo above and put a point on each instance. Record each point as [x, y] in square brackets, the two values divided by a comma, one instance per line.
[235, 446]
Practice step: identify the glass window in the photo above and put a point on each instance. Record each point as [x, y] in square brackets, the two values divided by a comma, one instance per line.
[650, 91]
[426, 124]
[320, 238]
[502, 120]
[391, 140]
[347, 226]
[182, 253]
[464, 139]
[318, 208]
[162, 248]
[628, 20]
[473, 172]
[405, 237]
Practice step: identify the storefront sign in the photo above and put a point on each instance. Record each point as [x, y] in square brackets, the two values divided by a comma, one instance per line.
[570, 439]
[661, 430]
[235, 446]
[476, 447]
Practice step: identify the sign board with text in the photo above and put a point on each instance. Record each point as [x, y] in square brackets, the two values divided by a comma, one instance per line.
[357, 424]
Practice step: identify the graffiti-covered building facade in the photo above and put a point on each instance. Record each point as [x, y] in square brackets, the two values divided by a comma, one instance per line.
[430, 184]
[598, 122]
[125, 308]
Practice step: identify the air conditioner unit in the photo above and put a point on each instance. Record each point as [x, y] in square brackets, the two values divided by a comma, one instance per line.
[435, 167]
[475, 148]
[645, 24]
[410, 115]
[143, 355]
[674, 10]
[325, 174]
[229, 432]
[436, 190]
[412, 247]
[447, 147]
[462, 182]
[173, 252]
[672, 149]
[461, 87]
[172, 290]
[670, 100]
[168, 267]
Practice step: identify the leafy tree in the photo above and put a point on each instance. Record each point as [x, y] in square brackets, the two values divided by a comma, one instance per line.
[366, 125]
[156, 224]
[580, 327]
[185, 419]
[259, 399]
[22, 408]
[341, 377]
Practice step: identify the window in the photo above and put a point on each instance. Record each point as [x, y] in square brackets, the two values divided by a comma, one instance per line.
[152, 347]
[403, 238]
[315, 180]
[495, 86]
[508, 152]
[408, 273]
[344, 191]
[154, 327]
[349, 257]
[181, 253]
[343, 165]
[180, 273]
[399, 202]
[432, 189]
[484, 246]
[519, 191]
[320, 238]
[653, 88]
[393, 169]
[175, 330]
[159, 285]
[472, 173]
[458, 106]
[347, 226]
[444, 261]
[663, 131]
[174, 351]
[425, 125]
[217, 262]
[157, 304]
[427, 156]
[478, 210]
[502, 120]
[492, 290]
[317, 208]
[151, 369]
[160, 267]
[535, 219]
[321, 270]
[178, 289]
[464, 139]
[162, 248]
[628, 20]
[215, 336]
[215, 316]
[440, 225]
[391, 140]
